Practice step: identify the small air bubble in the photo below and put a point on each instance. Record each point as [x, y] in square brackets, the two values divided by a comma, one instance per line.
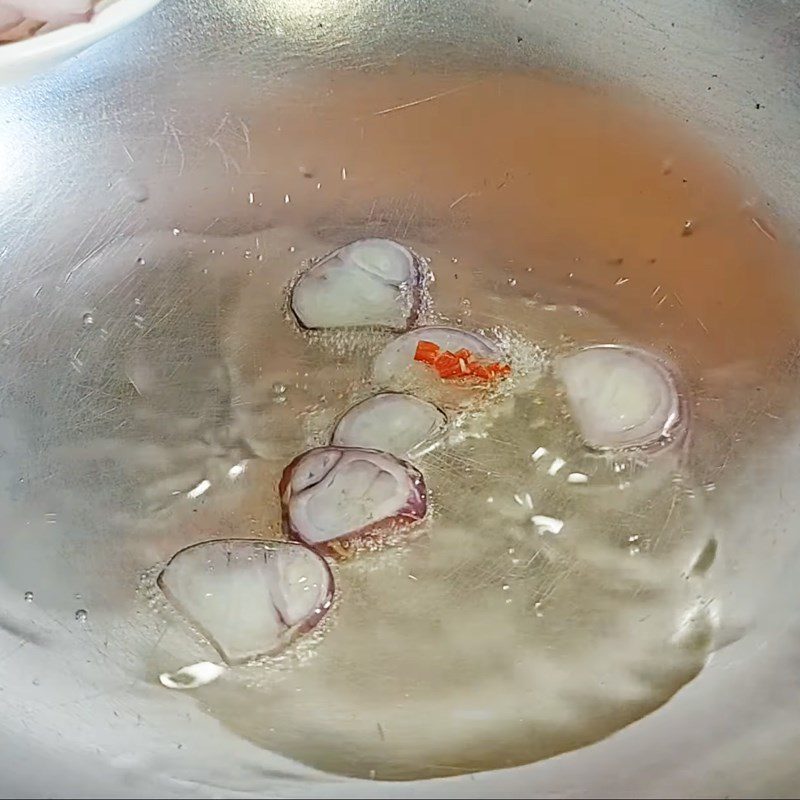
[557, 464]
[176, 231]
[88, 320]
[688, 228]
[81, 615]
[512, 281]
[236, 470]
[28, 597]
[193, 676]
[538, 453]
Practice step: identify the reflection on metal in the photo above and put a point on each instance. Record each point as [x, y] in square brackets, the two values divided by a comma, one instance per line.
[200, 489]
[193, 676]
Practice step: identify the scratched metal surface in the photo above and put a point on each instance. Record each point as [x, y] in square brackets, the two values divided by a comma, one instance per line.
[148, 132]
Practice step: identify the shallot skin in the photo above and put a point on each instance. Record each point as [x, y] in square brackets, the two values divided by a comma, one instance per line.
[313, 474]
[376, 283]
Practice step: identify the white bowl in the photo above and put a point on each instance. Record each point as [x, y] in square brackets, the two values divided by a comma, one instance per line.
[22, 59]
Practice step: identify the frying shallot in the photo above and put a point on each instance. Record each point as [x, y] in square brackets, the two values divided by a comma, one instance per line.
[248, 597]
[396, 423]
[368, 283]
[331, 495]
[620, 397]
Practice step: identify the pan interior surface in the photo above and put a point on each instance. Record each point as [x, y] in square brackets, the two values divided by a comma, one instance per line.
[154, 388]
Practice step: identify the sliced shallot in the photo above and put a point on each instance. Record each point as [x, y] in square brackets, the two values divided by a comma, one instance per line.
[334, 494]
[620, 397]
[368, 283]
[249, 597]
[396, 423]
[395, 365]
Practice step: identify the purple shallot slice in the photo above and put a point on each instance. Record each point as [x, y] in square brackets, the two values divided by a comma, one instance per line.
[621, 397]
[333, 495]
[367, 283]
[249, 597]
[396, 423]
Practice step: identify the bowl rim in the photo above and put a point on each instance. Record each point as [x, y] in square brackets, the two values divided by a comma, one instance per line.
[108, 17]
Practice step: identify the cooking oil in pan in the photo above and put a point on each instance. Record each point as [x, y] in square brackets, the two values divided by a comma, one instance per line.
[550, 598]
[554, 594]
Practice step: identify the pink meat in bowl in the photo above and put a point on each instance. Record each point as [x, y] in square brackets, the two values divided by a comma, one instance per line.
[37, 35]
[21, 19]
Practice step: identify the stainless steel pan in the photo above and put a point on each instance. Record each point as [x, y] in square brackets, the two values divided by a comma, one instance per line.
[143, 132]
